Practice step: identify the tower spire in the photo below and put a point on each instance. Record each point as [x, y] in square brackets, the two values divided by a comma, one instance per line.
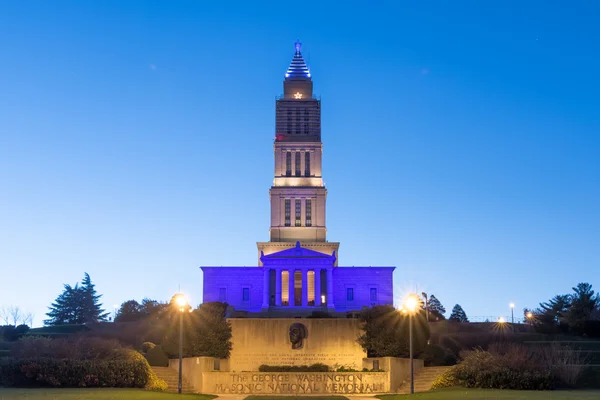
[298, 68]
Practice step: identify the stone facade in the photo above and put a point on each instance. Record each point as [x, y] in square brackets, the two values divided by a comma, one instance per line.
[329, 341]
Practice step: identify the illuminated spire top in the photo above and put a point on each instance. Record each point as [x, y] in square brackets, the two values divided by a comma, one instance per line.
[298, 68]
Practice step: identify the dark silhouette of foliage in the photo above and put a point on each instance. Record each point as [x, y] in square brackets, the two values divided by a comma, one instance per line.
[458, 314]
[435, 308]
[569, 312]
[11, 333]
[386, 332]
[76, 305]
[205, 331]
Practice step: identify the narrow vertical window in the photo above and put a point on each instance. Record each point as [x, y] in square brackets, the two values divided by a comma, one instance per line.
[308, 221]
[307, 163]
[245, 294]
[288, 163]
[222, 295]
[350, 294]
[285, 288]
[288, 212]
[298, 213]
[297, 288]
[310, 287]
[298, 165]
[373, 294]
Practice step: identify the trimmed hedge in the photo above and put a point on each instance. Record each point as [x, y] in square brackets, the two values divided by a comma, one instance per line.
[49, 372]
[294, 368]
[157, 357]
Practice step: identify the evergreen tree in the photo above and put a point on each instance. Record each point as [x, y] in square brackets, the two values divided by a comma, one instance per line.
[64, 309]
[582, 304]
[91, 308]
[129, 311]
[552, 312]
[458, 314]
[76, 305]
[435, 308]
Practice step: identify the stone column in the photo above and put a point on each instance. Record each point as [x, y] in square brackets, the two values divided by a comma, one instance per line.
[291, 287]
[278, 287]
[304, 287]
[317, 286]
[330, 288]
[267, 281]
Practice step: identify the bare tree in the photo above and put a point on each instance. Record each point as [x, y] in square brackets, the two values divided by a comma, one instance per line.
[4, 315]
[13, 315]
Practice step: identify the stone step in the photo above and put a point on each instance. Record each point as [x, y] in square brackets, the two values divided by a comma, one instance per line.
[424, 379]
[171, 377]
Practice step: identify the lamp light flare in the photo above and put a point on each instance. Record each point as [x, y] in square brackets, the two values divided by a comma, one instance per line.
[529, 315]
[512, 305]
[501, 320]
[181, 300]
[411, 302]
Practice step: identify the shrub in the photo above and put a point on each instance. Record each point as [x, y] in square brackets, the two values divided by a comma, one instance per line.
[146, 346]
[49, 372]
[445, 380]
[511, 366]
[318, 367]
[157, 357]
[75, 347]
[434, 355]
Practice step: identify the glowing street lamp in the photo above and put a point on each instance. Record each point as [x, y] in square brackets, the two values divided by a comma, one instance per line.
[529, 316]
[411, 302]
[501, 320]
[512, 312]
[182, 304]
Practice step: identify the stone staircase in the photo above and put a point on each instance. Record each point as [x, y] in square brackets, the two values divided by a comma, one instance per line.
[424, 378]
[171, 376]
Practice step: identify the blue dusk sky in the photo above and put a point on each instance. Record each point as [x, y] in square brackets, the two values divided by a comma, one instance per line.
[461, 143]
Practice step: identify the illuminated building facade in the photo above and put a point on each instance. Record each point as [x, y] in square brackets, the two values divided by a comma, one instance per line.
[298, 268]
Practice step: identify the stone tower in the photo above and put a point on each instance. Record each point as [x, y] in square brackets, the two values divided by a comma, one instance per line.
[298, 195]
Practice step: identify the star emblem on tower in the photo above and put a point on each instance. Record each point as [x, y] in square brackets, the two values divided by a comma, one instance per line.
[298, 95]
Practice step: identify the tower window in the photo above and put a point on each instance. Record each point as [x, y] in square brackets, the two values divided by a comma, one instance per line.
[373, 294]
[298, 163]
[288, 163]
[308, 213]
[288, 212]
[298, 213]
[350, 294]
[307, 163]
[245, 294]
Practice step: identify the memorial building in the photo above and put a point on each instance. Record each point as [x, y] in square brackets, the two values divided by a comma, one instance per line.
[298, 271]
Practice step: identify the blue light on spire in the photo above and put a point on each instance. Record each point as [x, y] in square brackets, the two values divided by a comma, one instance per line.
[298, 68]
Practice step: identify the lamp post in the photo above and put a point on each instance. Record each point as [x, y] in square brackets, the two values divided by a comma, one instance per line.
[512, 312]
[410, 304]
[182, 304]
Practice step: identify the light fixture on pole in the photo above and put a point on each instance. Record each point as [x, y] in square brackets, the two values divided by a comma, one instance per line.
[530, 317]
[512, 312]
[182, 305]
[411, 302]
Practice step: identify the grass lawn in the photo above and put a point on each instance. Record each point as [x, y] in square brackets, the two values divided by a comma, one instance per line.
[93, 394]
[493, 394]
